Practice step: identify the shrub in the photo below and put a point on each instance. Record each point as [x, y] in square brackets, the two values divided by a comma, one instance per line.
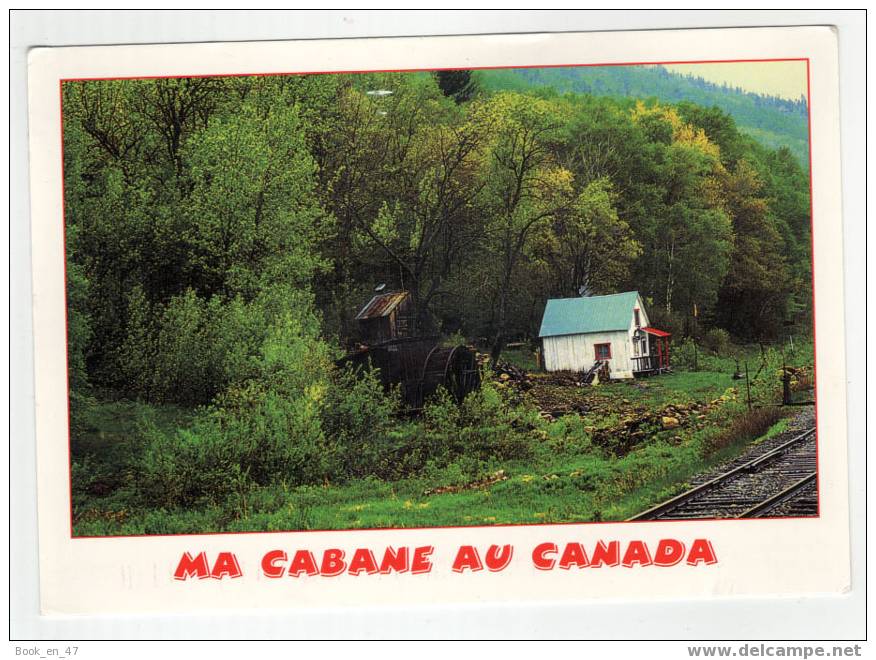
[673, 322]
[744, 428]
[454, 339]
[137, 354]
[367, 440]
[683, 353]
[358, 417]
[192, 348]
[80, 402]
[493, 428]
[717, 340]
[688, 355]
[262, 431]
[486, 426]
[185, 367]
[81, 479]
[79, 331]
[254, 437]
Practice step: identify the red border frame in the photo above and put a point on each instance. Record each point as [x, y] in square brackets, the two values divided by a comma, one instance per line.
[61, 82]
[596, 350]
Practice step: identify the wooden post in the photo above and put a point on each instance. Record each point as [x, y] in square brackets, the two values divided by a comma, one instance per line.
[747, 386]
[786, 381]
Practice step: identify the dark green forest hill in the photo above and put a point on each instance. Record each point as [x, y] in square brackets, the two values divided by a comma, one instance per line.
[773, 121]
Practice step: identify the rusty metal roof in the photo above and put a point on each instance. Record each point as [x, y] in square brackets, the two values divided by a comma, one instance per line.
[382, 305]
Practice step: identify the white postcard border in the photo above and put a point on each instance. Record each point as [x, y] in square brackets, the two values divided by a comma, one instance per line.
[756, 557]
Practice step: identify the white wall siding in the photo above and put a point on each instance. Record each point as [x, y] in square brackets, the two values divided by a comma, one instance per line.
[578, 352]
[643, 320]
[643, 316]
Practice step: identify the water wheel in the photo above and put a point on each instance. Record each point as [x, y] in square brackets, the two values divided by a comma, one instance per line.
[454, 368]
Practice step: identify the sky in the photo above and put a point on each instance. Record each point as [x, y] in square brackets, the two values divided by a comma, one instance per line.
[784, 79]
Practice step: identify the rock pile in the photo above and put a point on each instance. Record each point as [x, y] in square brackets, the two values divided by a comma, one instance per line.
[638, 426]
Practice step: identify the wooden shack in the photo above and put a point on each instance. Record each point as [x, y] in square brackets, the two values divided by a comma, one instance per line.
[387, 316]
[420, 365]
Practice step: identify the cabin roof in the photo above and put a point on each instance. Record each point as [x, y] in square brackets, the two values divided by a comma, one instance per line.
[575, 316]
[382, 305]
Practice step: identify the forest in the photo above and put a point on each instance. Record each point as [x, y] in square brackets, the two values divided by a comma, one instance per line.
[773, 121]
[222, 234]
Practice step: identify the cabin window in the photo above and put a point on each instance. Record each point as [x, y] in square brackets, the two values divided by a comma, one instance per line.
[603, 351]
[638, 320]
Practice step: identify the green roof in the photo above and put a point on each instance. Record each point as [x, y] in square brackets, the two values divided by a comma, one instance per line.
[575, 316]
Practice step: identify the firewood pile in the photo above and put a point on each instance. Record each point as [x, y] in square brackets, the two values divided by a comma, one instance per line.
[555, 393]
[506, 373]
[509, 374]
[800, 378]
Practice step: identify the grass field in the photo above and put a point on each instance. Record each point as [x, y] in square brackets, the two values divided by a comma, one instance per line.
[564, 478]
[571, 488]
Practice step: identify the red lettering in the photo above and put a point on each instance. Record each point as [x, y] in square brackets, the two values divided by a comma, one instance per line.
[363, 560]
[467, 558]
[421, 562]
[497, 559]
[539, 560]
[332, 562]
[637, 553]
[573, 555]
[303, 562]
[669, 552]
[192, 566]
[701, 550]
[610, 556]
[269, 568]
[226, 564]
[394, 560]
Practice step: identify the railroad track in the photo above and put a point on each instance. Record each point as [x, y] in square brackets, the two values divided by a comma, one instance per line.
[781, 481]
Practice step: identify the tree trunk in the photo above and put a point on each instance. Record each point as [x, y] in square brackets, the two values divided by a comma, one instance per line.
[499, 339]
[669, 282]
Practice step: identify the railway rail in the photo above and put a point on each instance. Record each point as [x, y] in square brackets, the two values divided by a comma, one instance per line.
[780, 481]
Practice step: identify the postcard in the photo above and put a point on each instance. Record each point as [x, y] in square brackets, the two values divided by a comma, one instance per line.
[444, 319]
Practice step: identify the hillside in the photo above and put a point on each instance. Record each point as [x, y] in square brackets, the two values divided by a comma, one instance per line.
[772, 121]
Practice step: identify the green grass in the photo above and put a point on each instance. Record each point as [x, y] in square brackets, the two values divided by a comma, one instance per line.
[779, 427]
[566, 482]
[563, 478]
[677, 387]
[104, 448]
[111, 426]
[523, 358]
[571, 488]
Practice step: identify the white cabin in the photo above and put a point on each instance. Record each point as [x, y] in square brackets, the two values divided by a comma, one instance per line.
[576, 333]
